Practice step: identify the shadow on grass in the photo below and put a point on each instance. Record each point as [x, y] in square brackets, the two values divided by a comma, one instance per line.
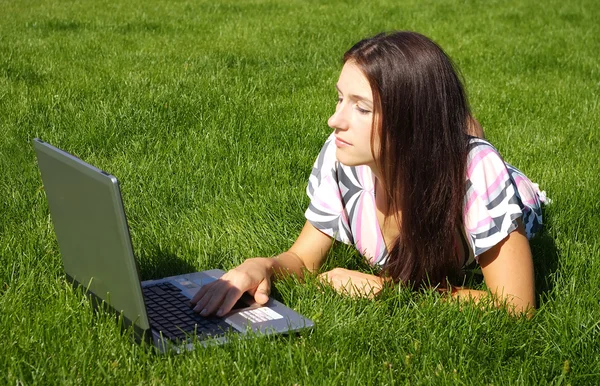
[545, 258]
[156, 263]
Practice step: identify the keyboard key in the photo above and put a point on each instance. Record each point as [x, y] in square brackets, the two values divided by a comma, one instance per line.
[169, 312]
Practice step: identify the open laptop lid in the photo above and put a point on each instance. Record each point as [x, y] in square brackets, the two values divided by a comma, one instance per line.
[91, 228]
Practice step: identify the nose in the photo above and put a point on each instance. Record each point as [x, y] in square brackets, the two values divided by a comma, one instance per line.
[339, 119]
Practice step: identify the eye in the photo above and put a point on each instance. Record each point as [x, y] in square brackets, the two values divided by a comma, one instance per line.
[362, 111]
[340, 100]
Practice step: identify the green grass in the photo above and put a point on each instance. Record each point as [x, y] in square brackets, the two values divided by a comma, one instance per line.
[211, 115]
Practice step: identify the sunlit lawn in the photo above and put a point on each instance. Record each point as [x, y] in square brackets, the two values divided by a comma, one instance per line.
[211, 115]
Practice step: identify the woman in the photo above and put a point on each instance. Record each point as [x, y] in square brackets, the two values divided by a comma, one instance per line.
[402, 180]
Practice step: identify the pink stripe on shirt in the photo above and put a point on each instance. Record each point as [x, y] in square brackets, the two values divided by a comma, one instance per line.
[494, 186]
[477, 159]
[481, 223]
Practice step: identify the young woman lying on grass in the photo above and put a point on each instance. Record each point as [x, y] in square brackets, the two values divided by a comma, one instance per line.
[407, 178]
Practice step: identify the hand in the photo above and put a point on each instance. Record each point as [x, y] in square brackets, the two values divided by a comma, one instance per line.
[252, 276]
[353, 283]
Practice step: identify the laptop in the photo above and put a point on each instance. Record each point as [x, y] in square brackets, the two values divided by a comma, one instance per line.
[95, 246]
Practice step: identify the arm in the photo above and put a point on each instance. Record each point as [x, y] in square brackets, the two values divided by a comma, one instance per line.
[307, 253]
[354, 283]
[508, 272]
[254, 275]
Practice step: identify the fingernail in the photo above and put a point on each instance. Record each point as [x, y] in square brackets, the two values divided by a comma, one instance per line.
[204, 312]
[197, 308]
[220, 312]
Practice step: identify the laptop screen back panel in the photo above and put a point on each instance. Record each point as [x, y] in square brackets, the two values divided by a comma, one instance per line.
[91, 229]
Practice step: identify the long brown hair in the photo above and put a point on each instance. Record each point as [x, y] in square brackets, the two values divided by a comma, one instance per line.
[420, 112]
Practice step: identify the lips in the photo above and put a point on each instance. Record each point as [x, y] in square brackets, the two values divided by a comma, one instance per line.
[340, 142]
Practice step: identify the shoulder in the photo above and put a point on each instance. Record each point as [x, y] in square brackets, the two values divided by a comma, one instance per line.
[487, 173]
[482, 156]
[492, 205]
[328, 170]
[327, 153]
[326, 208]
[324, 165]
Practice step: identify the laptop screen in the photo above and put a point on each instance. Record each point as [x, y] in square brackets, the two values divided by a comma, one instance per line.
[91, 229]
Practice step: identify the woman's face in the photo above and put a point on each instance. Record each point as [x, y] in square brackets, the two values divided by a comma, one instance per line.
[353, 118]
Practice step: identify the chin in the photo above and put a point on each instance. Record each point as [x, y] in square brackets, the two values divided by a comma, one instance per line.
[348, 160]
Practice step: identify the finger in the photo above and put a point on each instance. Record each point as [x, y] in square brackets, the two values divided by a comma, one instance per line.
[233, 295]
[261, 295]
[324, 277]
[206, 288]
[200, 293]
[205, 293]
[214, 294]
[327, 278]
[216, 302]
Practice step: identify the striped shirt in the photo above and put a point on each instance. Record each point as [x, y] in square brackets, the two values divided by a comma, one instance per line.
[342, 202]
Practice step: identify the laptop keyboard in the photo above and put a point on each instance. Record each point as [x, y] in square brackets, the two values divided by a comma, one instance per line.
[169, 312]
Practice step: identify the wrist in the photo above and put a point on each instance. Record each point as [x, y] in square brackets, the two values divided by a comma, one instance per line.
[287, 263]
[270, 264]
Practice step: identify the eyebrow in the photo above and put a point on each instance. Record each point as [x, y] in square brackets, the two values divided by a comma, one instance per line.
[357, 97]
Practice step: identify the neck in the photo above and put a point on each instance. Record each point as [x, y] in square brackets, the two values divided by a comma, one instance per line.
[382, 198]
[375, 171]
